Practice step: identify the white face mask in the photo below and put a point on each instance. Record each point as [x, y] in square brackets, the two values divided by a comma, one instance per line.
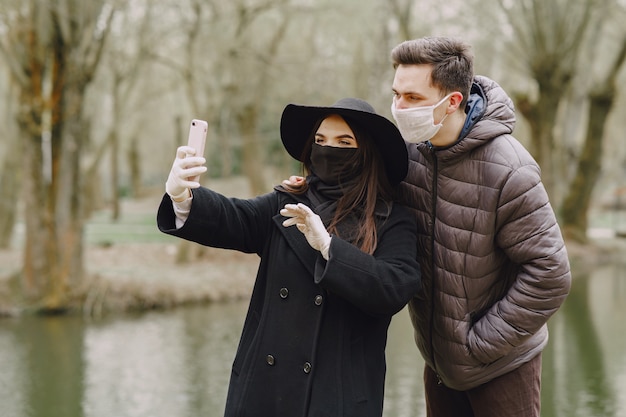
[417, 124]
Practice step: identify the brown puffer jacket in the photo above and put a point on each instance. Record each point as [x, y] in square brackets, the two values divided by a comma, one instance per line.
[494, 264]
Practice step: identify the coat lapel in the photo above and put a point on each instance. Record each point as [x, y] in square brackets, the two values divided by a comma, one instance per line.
[296, 240]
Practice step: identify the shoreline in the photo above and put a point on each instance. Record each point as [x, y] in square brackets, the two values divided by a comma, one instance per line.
[125, 277]
[142, 276]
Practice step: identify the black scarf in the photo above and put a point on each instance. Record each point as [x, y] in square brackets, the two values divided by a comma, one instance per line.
[322, 198]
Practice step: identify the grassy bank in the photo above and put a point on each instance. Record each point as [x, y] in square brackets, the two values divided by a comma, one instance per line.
[131, 265]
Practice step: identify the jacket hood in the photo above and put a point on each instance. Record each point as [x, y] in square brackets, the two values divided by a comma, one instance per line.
[490, 114]
[499, 112]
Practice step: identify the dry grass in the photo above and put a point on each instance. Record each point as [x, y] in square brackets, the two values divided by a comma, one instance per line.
[133, 266]
[131, 276]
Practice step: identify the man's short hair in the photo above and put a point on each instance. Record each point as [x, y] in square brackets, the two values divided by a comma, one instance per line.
[451, 59]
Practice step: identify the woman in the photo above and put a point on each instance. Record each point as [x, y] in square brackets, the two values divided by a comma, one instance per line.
[314, 337]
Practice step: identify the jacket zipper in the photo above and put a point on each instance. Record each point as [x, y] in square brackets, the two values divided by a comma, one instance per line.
[433, 218]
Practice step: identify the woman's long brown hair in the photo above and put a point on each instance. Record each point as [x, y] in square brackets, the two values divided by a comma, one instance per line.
[361, 198]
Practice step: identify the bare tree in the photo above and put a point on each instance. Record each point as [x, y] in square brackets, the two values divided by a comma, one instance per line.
[125, 67]
[225, 65]
[401, 12]
[243, 65]
[53, 49]
[558, 42]
[602, 97]
[10, 171]
[547, 43]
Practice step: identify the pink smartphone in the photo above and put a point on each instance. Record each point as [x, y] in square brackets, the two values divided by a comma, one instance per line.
[197, 139]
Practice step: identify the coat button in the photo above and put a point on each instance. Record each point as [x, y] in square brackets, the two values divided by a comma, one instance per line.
[306, 368]
[284, 292]
[318, 300]
[270, 360]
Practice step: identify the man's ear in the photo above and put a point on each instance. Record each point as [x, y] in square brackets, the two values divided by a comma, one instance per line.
[455, 100]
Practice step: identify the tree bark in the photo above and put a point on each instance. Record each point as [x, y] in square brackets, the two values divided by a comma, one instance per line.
[576, 204]
[53, 254]
[54, 52]
[575, 208]
[9, 193]
[549, 49]
[541, 116]
[252, 154]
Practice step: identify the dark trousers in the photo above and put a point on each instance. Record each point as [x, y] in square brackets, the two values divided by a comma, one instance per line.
[516, 394]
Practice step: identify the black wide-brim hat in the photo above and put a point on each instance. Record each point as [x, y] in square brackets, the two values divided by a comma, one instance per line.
[297, 123]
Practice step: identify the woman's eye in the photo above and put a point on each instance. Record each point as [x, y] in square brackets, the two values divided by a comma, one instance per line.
[319, 140]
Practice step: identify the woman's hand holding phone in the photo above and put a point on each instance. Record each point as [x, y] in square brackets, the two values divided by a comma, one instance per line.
[197, 139]
[188, 164]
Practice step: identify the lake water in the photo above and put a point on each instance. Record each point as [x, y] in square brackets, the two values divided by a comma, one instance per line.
[177, 363]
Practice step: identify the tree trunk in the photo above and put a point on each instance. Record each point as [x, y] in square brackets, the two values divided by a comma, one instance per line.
[541, 116]
[252, 155]
[70, 213]
[575, 207]
[10, 171]
[9, 189]
[54, 59]
[549, 49]
[134, 164]
[53, 251]
[115, 176]
[36, 217]
[576, 203]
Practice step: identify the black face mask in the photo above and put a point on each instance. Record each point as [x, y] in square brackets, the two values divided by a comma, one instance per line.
[330, 164]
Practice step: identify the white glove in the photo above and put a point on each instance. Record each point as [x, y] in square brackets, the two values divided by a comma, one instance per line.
[310, 224]
[185, 167]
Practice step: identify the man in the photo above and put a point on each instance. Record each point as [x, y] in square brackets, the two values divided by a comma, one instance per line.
[494, 264]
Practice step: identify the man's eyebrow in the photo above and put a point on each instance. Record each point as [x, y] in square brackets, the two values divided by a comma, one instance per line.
[395, 91]
[410, 93]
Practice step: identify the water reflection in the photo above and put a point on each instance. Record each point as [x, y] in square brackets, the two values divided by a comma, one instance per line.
[162, 364]
[41, 367]
[404, 389]
[586, 357]
[177, 363]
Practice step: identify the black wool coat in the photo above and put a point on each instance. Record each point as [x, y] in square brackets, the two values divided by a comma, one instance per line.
[313, 342]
